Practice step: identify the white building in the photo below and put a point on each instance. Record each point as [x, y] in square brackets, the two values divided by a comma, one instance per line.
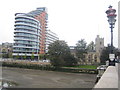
[50, 38]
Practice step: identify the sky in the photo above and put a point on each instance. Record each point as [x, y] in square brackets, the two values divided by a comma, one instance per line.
[71, 20]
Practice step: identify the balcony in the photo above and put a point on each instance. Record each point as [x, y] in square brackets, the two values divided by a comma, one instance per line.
[23, 23]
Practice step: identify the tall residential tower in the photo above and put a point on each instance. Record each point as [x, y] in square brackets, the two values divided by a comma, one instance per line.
[31, 33]
[26, 35]
[41, 15]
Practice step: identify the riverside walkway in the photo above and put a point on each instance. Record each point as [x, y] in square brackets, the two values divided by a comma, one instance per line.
[119, 76]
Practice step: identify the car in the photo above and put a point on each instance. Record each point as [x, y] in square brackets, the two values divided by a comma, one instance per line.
[46, 60]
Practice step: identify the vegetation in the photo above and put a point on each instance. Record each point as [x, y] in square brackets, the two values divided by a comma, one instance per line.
[41, 56]
[25, 56]
[91, 46]
[27, 65]
[81, 49]
[6, 53]
[87, 66]
[32, 57]
[59, 54]
[17, 57]
[48, 67]
[10, 55]
[105, 54]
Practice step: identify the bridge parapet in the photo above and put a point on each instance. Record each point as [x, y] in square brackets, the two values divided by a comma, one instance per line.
[109, 78]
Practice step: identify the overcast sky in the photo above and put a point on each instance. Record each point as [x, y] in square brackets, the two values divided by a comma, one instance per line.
[71, 20]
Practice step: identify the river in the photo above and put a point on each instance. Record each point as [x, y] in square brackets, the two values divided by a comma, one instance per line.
[29, 78]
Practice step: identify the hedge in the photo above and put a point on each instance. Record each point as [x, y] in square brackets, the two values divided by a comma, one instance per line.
[48, 67]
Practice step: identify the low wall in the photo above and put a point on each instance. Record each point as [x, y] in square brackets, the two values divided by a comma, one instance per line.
[109, 78]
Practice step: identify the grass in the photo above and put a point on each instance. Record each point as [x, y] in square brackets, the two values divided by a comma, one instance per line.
[87, 66]
[73, 69]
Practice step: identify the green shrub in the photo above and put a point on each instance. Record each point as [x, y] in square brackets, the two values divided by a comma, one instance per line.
[49, 67]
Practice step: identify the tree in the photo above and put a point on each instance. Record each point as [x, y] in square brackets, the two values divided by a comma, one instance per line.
[41, 56]
[81, 49]
[25, 56]
[70, 60]
[4, 54]
[32, 56]
[91, 46]
[105, 54]
[10, 55]
[59, 54]
[17, 57]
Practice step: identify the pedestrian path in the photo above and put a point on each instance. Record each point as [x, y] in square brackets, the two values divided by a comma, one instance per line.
[119, 76]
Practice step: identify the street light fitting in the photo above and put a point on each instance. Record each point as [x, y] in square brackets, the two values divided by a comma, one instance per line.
[110, 6]
[111, 15]
[111, 20]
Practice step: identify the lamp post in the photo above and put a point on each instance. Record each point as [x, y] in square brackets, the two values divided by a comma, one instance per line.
[111, 20]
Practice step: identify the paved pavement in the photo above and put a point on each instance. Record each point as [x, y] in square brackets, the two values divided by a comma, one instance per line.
[119, 75]
[26, 78]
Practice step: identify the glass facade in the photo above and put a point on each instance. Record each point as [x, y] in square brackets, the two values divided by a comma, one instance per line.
[26, 35]
[31, 35]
